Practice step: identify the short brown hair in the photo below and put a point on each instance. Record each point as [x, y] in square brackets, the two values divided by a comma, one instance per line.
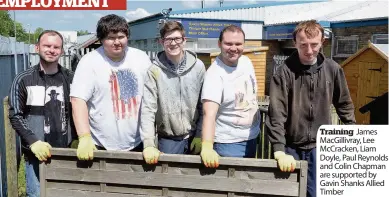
[51, 33]
[231, 28]
[171, 26]
[311, 28]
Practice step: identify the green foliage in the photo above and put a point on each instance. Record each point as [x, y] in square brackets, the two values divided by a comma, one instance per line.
[82, 32]
[7, 29]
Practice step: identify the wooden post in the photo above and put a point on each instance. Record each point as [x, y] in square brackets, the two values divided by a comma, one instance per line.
[10, 156]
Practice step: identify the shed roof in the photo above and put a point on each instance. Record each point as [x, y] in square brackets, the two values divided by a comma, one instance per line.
[380, 49]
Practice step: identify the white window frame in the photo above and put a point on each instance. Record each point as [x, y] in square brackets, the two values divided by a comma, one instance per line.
[342, 38]
[376, 37]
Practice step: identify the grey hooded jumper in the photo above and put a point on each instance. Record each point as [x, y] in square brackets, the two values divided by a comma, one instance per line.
[171, 99]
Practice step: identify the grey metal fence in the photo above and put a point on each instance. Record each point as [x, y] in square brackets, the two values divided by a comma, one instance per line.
[7, 74]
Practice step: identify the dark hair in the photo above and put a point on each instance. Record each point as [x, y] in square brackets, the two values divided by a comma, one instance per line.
[171, 26]
[231, 28]
[111, 23]
[311, 28]
[51, 33]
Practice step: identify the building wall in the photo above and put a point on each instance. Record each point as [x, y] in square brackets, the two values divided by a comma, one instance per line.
[145, 30]
[364, 34]
[274, 49]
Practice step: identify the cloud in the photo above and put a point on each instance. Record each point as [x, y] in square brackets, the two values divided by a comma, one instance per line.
[136, 14]
[63, 21]
[197, 3]
[98, 15]
[30, 15]
[73, 15]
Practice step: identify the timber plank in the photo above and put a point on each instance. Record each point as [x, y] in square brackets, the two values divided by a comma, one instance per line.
[194, 159]
[177, 181]
[79, 193]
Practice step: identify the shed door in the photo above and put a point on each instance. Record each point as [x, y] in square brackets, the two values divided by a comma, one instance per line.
[368, 88]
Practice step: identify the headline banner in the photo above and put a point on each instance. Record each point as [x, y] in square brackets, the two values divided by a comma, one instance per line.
[63, 5]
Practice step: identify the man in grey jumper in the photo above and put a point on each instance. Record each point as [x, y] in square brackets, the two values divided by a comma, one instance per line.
[170, 104]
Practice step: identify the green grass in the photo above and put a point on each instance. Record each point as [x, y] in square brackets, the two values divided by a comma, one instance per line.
[22, 179]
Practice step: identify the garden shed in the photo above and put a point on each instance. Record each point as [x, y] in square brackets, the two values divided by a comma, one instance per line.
[257, 56]
[367, 78]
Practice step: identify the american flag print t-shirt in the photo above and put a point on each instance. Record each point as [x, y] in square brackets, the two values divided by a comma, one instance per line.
[125, 93]
[113, 92]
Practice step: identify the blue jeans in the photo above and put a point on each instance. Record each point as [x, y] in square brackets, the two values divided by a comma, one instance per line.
[310, 156]
[246, 149]
[32, 177]
[171, 146]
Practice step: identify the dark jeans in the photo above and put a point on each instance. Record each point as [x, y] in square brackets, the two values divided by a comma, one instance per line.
[310, 156]
[32, 177]
[244, 149]
[174, 146]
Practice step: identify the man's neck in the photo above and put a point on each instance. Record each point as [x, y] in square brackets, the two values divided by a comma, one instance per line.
[175, 59]
[228, 63]
[310, 63]
[49, 68]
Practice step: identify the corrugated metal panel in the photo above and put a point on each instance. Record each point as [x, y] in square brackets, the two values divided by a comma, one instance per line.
[252, 30]
[233, 14]
[294, 13]
[369, 10]
[301, 12]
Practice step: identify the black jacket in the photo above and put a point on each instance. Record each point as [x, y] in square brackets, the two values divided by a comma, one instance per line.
[26, 116]
[300, 101]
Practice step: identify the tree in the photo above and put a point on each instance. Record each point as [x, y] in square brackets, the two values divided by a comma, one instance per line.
[7, 29]
[6, 25]
[82, 32]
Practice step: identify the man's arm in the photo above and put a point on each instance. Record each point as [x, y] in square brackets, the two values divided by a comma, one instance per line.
[80, 116]
[277, 112]
[17, 105]
[342, 99]
[149, 107]
[81, 90]
[210, 109]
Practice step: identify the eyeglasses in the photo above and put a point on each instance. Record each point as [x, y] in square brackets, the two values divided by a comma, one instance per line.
[177, 40]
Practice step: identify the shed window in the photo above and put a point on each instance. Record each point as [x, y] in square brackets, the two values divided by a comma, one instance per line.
[380, 38]
[346, 46]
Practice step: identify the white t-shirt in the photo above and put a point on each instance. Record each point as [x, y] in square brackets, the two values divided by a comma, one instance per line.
[113, 93]
[235, 90]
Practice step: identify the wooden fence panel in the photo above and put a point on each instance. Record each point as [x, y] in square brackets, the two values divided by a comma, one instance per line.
[10, 148]
[124, 174]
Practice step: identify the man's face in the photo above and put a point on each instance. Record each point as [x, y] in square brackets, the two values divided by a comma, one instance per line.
[49, 48]
[308, 48]
[231, 47]
[173, 43]
[115, 44]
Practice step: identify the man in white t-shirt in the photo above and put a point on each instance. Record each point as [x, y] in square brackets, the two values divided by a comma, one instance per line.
[107, 90]
[229, 96]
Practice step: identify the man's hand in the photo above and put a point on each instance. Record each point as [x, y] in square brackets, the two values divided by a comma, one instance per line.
[285, 162]
[195, 146]
[86, 147]
[151, 155]
[41, 150]
[208, 155]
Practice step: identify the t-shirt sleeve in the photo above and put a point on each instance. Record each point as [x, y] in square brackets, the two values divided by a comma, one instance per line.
[83, 81]
[212, 87]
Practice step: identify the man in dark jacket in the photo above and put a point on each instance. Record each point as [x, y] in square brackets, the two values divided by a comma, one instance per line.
[34, 93]
[301, 94]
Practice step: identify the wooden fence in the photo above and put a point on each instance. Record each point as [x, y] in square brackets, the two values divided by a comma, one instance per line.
[263, 146]
[125, 174]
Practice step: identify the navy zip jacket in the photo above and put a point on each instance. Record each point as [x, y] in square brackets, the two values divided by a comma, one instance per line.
[300, 101]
